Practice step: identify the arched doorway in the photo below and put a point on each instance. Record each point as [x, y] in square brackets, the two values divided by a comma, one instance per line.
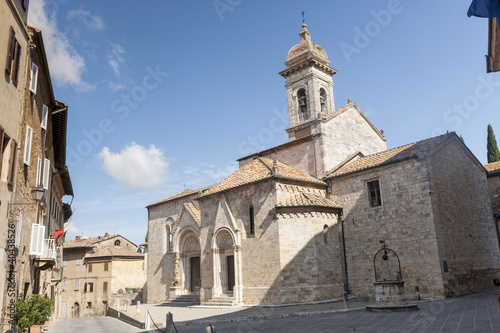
[76, 310]
[189, 266]
[224, 263]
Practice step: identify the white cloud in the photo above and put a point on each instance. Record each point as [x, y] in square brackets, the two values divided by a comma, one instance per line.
[115, 86]
[136, 166]
[66, 65]
[93, 22]
[115, 58]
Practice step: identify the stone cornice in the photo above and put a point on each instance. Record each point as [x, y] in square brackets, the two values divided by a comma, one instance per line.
[308, 63]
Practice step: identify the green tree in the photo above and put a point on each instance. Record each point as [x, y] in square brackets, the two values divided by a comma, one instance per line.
[139, 250]
[493, 152]
[34, 310]
[462, 138]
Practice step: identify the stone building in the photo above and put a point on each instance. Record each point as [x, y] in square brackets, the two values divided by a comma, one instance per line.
[98, 272]
[302, 221]
[13, 53]
[494, 186]
[33, 168]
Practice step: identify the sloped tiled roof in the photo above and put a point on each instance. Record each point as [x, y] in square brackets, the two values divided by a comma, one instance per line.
[85, 242]
[257, 170]
[390, 156]
[306, 199]
[195, 213]
[115, 252]
[179, 195]
[492, 167]
[90, 242]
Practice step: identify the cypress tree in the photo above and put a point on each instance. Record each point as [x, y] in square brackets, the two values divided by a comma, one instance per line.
[493, 152]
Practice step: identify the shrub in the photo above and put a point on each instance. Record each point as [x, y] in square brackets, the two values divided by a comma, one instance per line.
[34, 310]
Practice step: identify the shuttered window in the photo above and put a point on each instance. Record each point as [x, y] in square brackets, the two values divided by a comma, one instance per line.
[18, 229]
[90, 268]
[46, 173]
[10, 51]
[12, 162]
[39, 172]
[27, 145]
[37, 234]
[77, 284]
[2, 132]
[13, 57]
[34, 77]
[45, 115]
[105, 287]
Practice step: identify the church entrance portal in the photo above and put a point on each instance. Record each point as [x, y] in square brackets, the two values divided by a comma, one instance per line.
[195, 273]
[189, 263]
[225, 265]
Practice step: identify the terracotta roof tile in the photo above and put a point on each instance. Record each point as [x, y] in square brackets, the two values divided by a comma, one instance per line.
[260, 169]
[306, 199]
[179, 195]
[390, 156]
[195, 213]
[114, 252]
[85, 242]
[491, 167]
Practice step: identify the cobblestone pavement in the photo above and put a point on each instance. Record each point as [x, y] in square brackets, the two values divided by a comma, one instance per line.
[473, 313]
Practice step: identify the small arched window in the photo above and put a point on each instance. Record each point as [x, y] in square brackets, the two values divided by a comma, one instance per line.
[167, 239]
[322, 100]
[302, 103]
[117, 242]
[252, 221]
[325, 234]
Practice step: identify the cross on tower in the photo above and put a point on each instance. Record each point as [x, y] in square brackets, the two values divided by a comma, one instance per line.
[303, 17]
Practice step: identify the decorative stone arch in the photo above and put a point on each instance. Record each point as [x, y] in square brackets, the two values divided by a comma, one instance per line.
[302, 102]
[323, 99]
[167, 235]
[75, 309]
[187, 260]
[227, 264]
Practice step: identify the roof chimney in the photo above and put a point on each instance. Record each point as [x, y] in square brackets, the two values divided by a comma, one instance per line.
[106, 234]
[78, 237]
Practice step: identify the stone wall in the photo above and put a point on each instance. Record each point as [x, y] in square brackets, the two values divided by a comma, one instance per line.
[404, 221]
[258, 254]
[494, 187]
[467, 238]
[160, 265]
[299, 155]
[343, 135]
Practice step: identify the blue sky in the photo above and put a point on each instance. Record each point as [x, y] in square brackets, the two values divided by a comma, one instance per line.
[166, 95]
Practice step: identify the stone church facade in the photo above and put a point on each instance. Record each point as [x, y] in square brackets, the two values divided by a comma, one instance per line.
[302, 221]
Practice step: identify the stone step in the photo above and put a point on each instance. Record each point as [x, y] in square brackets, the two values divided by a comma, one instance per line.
[221, 301]
[186, 299]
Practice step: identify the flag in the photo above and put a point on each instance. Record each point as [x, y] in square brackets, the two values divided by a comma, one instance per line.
[485, 8]
[60, 232]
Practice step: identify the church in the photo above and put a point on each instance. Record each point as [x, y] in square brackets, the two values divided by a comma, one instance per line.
[302, 221]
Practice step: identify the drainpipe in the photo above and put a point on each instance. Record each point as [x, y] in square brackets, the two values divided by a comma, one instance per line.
[346, 276]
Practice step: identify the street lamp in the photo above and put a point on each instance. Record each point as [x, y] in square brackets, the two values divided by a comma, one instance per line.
[37, 193]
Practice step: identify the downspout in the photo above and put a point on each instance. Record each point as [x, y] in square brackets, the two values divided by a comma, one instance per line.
[346, 279]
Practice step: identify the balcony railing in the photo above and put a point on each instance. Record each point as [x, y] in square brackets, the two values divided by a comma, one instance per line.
[49, 249]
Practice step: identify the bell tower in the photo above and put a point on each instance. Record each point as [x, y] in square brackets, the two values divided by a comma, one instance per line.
[309, 86]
